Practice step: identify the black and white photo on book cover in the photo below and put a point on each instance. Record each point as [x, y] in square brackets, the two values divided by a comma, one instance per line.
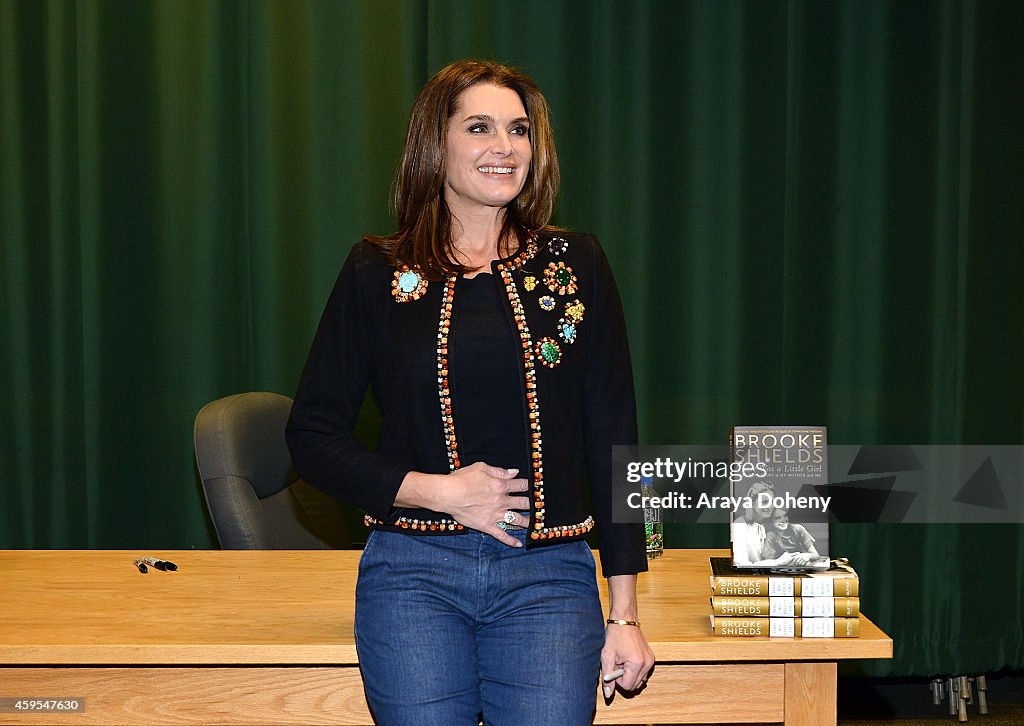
[780, 519]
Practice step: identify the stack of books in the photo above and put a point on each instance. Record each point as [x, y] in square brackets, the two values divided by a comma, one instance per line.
[819, 604]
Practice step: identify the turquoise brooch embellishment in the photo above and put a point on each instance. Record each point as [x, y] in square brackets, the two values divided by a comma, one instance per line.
[408, 285]
[568, 326]
[559, 278]
[548, 352]
[567, 330]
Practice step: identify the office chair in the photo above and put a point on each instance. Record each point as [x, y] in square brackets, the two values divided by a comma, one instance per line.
[253, 495]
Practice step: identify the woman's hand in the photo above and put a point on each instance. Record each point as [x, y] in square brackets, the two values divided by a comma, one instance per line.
[477, 496]
[625, 648]
[481, 497]
[787, 559]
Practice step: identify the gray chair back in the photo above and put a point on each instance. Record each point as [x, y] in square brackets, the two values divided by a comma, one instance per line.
[253, 495]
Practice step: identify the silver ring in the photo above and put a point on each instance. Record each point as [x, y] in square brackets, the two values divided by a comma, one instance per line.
[510, 517]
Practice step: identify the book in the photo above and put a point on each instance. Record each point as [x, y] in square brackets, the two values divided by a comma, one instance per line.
[780, 496]
[840, 580]
[786, 627]
[788, 607]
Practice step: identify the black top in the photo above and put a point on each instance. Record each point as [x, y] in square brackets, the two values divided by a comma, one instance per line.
[484, 377]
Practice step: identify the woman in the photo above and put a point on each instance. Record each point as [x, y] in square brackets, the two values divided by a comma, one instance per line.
[749, 534]
[784, 537]
[495, 348]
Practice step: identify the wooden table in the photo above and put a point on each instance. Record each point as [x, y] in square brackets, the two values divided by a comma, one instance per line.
[246, 637]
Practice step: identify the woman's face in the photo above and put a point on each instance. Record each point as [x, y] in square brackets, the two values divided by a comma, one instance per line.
[780, 522]
[488, 149]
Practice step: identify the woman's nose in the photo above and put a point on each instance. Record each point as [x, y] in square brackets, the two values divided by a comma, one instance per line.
[502, 143]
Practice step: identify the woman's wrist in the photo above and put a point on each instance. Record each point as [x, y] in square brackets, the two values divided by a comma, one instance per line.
[622, 597]
[420, 491]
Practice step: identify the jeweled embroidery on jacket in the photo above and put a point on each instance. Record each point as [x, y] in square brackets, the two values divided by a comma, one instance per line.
[408, 285]
[443, 387]
[558, 246]
[548, 352]
[568, 326]
[567, 330]
[560, 278]
[530, 356]
[423, 525]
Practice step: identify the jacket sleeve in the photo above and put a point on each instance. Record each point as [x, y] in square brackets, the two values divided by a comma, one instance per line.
[320, 430]
[610, 417]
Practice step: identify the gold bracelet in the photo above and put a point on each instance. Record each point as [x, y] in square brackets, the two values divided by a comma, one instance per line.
[634, 623]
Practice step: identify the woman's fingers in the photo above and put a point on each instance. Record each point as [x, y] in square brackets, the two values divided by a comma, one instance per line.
[496, 471]
[488, 494]
[503, 537]
[626, 659]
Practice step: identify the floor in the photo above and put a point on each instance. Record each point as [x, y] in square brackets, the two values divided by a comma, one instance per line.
[908, 702]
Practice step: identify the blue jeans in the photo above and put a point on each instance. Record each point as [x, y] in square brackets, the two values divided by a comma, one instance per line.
[451, 627]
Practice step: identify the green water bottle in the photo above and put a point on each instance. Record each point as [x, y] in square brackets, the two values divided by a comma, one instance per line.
[654, 530]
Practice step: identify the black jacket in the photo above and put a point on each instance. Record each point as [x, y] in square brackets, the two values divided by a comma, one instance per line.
[578, 393]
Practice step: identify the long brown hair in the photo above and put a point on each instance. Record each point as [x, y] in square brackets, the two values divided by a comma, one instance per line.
[424, 237]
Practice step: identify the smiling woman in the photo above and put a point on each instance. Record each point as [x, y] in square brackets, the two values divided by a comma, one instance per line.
[474, 324]
[472, 114]
[489, 153]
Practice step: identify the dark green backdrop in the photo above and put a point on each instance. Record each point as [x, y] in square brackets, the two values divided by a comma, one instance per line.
[814, 210]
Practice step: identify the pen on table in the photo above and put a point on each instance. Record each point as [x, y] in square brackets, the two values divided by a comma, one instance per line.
[609, 677]
[142, 566]
[164, 565]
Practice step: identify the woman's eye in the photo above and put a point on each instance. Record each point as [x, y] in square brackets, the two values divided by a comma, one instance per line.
[478, 129]
[521, 130]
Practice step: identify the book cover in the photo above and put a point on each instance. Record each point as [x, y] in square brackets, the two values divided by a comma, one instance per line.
[780, 516]
[786, 607]
[786, 627]
[840, 580]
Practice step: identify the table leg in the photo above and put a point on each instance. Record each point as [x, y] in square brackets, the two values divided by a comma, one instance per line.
[810, 694]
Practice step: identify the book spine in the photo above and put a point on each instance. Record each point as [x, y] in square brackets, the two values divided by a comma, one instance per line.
[781, 586]
[753, 586]
[786, 627]
[788, 607]
[846, 607]
[827, 586]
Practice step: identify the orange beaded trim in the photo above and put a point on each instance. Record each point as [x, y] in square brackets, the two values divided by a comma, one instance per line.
[532, 405]
[516, 262]
[443, 389]
[540, 532]
[432, 525]
[567, 530]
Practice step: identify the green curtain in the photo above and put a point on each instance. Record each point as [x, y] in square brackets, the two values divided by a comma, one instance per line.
[814, 210]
